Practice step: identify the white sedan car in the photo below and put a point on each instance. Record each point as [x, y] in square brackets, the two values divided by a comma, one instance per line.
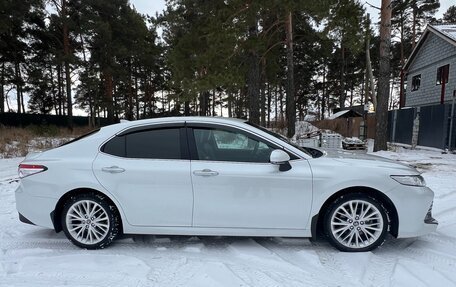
[217, 176]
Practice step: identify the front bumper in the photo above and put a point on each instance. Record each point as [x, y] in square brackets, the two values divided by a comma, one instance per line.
[414, 208]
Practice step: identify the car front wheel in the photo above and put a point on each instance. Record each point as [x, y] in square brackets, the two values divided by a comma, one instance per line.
[356, 223]
[90, 221]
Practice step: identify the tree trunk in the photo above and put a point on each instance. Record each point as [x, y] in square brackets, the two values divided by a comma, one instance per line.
[213, 103]
[342, 78]
[253, 79]
[186, 108]
[291, 104]
[276, 102]
[323, 99]
[22, 99]
[384, 77]
[401, 87]
[2, 89]
[107, 80]
[230, 102]
[263, 93]
[370, 75]
[66, 52]
[18, 81]
[204, 98]
[59, 88]
[129, 109]
[136, 95]
[269, 105]
[221, 103]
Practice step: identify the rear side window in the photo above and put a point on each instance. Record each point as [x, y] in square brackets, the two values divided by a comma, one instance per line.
[152, 144]
[160, 144]
[116, 146]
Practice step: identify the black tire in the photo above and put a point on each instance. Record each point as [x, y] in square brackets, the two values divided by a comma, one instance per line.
[112, 222]
[366, 244]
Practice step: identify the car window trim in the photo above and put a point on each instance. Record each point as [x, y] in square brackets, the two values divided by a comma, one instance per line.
[135, 129]
[183, 140]
[194, 152]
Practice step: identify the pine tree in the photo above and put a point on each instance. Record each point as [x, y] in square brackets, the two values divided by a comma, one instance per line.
[344, 28]
[450, 15]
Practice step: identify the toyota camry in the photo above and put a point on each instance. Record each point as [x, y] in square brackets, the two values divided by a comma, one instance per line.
[218, 176]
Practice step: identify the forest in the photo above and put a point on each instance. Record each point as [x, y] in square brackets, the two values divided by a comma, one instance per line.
[270, 61]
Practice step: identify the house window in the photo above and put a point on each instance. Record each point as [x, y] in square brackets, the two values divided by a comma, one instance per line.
[442, 74]
[416, 81]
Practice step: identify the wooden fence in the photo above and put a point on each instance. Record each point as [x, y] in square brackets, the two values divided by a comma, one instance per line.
[348, 127]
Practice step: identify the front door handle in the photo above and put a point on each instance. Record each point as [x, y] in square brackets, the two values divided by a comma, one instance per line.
[205, 172]
[113, 169]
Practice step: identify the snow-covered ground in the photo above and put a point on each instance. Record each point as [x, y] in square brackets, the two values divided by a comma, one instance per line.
[33, 256]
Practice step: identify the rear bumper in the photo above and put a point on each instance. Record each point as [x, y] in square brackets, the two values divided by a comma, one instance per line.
[34, 209]
[25, 220]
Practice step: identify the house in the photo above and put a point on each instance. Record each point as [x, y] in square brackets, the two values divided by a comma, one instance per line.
[430, 71]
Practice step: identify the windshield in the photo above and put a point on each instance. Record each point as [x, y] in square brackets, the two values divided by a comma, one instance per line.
[279, 136]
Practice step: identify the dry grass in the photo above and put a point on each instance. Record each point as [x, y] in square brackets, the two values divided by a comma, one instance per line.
[15, 142]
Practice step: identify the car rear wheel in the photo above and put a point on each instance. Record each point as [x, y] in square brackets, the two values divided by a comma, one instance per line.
[90, 221]
[356, 223]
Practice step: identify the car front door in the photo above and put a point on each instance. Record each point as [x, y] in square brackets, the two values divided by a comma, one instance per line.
[147, 169]
[235, 186]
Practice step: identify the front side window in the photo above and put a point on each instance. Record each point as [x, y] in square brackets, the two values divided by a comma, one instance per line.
[416, 81]
[227, 145]
[442, 74]
[149, 144]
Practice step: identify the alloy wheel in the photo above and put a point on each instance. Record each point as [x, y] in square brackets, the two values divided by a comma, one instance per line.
[87, 222]
[357, 224]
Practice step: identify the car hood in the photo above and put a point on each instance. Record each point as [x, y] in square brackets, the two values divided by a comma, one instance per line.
[350, 157]
[344, 154]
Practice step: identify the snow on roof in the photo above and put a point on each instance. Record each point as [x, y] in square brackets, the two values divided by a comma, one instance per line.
[338, 114]
[448, 30]
[344, 112]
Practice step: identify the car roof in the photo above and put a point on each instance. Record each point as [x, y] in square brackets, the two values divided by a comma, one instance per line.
[181, 119]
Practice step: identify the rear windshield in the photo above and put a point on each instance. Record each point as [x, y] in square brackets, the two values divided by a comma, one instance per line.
[81, 137]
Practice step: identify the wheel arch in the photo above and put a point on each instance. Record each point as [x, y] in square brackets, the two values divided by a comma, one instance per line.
[317, 219]
[56, 213]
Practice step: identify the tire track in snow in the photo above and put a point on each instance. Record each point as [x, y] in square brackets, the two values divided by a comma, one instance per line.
[429, 256]
[439, 238]
[291, 255]
[382, 262]
[328, 259]
[268, 268]
[379, 271]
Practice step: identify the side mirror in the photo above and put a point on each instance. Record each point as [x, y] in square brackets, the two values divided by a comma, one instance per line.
[280, 158]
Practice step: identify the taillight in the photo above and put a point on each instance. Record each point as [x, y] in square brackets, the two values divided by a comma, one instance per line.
[29, 169]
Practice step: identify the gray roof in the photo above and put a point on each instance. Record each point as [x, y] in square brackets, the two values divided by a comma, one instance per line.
[444, 31]
[449, 30]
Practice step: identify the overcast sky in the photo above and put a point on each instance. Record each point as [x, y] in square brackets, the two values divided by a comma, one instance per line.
[152, 6]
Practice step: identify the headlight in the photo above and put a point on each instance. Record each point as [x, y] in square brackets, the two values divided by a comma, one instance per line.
[412, 180]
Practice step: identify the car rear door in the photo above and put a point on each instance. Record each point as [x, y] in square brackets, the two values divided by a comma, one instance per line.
[235, 186]
[147, 169]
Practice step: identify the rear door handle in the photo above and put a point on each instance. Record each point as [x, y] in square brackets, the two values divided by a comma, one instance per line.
[205, 172]
[113, 169]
